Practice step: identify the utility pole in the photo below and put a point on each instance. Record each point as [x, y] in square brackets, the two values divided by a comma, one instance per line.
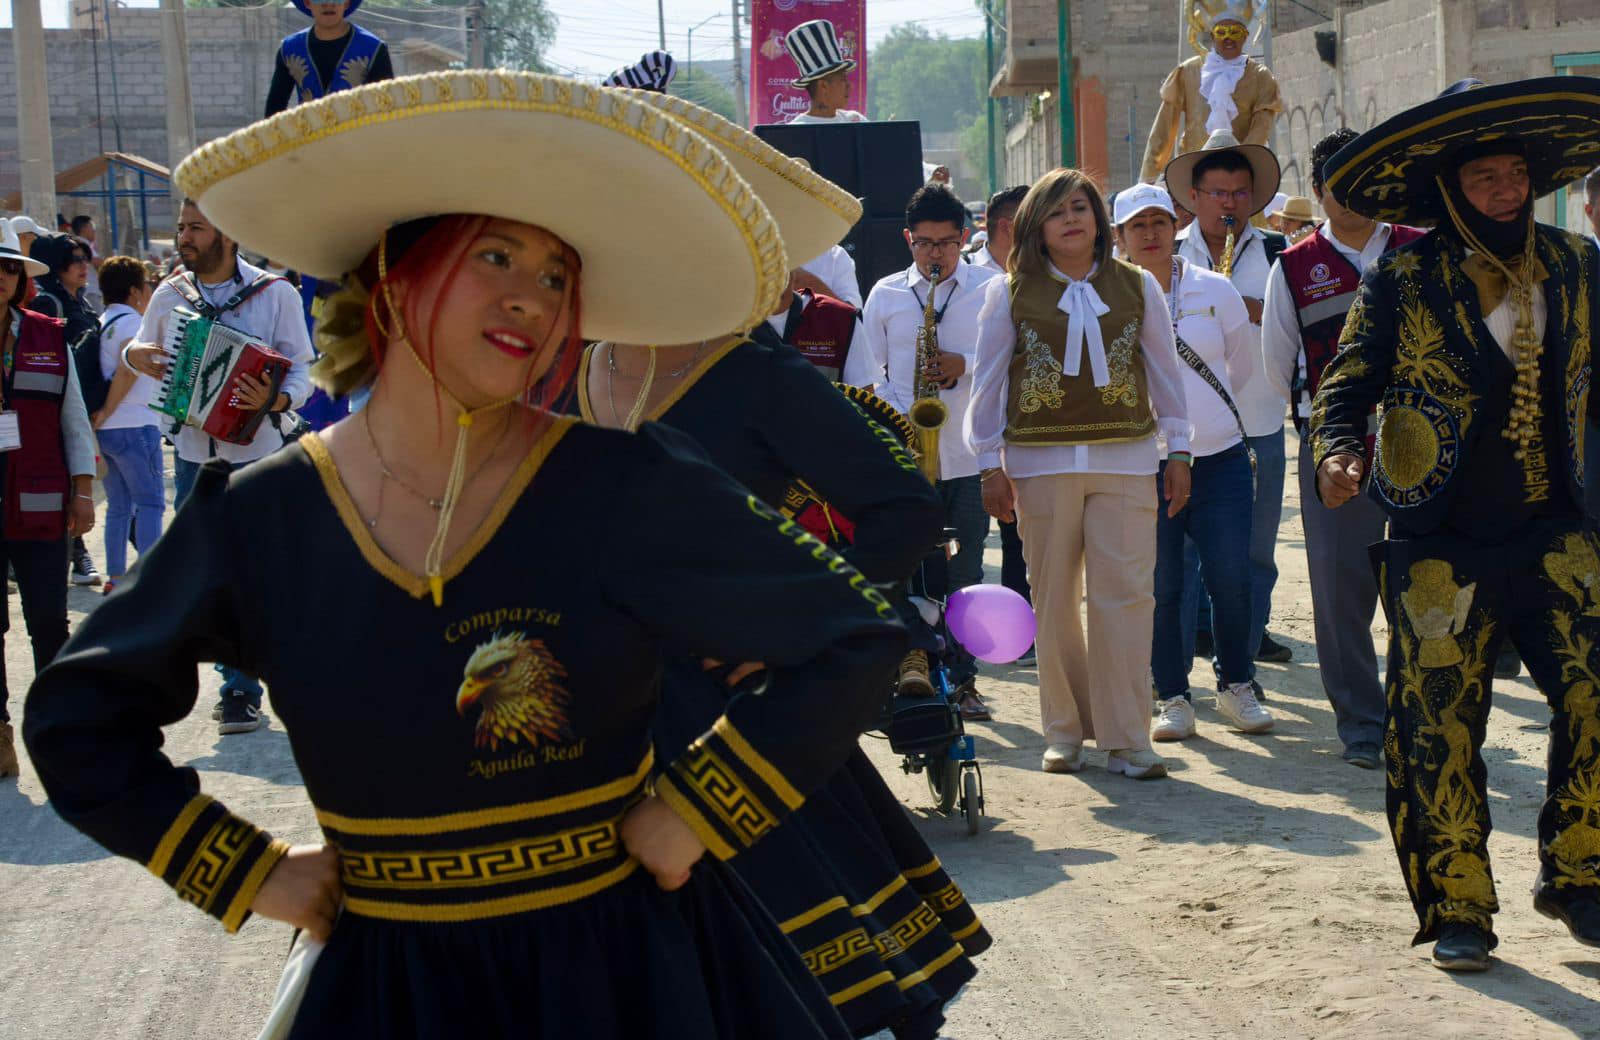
[111, 57]
[477, 37]
[1069, 133]
[180, 103]
[988, 87]
[741, 94]
[33, 113]
[661, 19]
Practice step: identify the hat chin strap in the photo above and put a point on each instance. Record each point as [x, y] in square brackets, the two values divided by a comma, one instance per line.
[433, 561]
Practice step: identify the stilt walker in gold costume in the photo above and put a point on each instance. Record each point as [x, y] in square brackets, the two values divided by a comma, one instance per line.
[1474, 344]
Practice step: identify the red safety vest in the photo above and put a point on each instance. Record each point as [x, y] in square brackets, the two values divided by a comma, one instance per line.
[822, 331]
[1323, 285]
[37, 484]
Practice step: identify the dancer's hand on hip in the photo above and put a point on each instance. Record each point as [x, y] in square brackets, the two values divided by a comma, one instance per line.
[303, 890]
[656, 836]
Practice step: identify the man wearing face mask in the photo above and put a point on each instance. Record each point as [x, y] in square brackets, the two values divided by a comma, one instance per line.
[1220, 89]
[1474, 344]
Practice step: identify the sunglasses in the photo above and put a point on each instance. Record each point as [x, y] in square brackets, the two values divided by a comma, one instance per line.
[12, 267]
[1236, 33]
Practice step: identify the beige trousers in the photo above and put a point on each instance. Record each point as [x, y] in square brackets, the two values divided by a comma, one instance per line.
[1100, 527]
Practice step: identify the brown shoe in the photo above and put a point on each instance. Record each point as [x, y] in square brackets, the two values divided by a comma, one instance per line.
[914, 680]
[8, 751]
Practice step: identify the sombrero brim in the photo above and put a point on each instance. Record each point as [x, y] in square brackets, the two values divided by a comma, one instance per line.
[30, 266]
[1266, 175]
[1388, 173]
[844, 66]
[305, 8]
[316, 186]
[812, 212]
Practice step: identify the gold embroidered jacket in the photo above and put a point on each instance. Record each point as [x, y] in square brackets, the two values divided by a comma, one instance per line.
[1416, 346]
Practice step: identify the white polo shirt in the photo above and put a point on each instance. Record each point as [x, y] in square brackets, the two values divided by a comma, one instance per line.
[884, 353]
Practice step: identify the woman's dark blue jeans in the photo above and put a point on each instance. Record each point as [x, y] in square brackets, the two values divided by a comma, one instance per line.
[1217, 519]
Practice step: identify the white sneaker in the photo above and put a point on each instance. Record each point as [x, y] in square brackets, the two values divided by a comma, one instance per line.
[1062, 758]
[1136, 765]
[1175, 721]
[1237, 703]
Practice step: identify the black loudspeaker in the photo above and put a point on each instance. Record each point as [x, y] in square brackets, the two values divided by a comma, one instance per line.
[880, 163]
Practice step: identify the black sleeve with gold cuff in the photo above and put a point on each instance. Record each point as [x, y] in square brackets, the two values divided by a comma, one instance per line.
[214, 860]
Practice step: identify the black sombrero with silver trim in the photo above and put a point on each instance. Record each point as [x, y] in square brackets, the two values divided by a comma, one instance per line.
[1389, 173]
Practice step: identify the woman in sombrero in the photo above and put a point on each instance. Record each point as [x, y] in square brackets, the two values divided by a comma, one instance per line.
[470, 704]
[1475, 345]
[849, 869]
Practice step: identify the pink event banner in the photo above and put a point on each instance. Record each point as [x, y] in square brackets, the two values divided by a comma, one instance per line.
[773, 96]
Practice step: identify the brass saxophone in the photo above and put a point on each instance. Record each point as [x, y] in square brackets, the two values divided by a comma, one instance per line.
[928, 413]
[1225, 268]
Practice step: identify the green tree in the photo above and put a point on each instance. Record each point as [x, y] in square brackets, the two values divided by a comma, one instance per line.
[703, 89]
[914, 74]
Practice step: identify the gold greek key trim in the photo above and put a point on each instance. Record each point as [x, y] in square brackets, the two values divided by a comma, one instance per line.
[757, 764]
[168, 845]
[345, 111]
[240, 907]
[474, 819]
[504, 862]
[416, 585]
[945, 899]
[501, 907]
[837, 952]
[213, 862]
[721, 789]
[668, 792]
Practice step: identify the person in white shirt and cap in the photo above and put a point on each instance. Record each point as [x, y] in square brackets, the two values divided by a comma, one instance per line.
[824, 72]
[884, 359]
[1225, 184]
[1077, 376]
[26, 231]
[1220, 355]
[1222, 88]
[1272, 216]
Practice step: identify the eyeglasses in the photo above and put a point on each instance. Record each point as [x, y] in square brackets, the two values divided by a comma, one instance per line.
[79, 258]
[1236, 33]
[12, 267]
[934, 245]
[1219, 196]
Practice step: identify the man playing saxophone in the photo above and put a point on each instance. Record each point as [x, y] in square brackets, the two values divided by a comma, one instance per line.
[886, 358]
[1225, 184]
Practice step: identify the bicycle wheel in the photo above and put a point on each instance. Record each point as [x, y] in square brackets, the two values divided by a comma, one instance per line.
[970, 806]
[944, 779]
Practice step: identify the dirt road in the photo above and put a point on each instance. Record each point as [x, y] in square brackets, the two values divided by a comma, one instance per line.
[1252, 895]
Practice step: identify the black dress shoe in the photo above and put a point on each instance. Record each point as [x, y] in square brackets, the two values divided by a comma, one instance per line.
[1578, 909]
[1461, 947]
[1508, 664]
[1202, 646]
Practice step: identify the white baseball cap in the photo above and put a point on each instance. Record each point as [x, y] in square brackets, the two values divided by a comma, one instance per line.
[25, 226]
[1135, 200]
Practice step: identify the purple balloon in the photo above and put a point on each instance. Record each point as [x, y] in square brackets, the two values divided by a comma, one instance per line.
[994, 623]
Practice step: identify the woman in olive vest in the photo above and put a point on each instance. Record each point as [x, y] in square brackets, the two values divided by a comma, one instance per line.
[1076, 376]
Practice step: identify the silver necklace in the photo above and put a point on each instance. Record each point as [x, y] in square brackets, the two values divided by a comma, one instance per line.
[644, 391]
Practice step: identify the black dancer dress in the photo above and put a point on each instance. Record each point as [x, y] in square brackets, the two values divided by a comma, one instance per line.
[849, 878]
[472, 762]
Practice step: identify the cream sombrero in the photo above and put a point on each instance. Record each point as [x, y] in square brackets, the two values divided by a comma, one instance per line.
[626, 186]
[812, 212]
[1388, 173]
[1265, 173]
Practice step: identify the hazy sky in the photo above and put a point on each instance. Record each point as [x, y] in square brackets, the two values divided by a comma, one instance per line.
[597, 36]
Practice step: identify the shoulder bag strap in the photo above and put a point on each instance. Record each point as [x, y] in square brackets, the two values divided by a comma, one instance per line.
[1203, 370]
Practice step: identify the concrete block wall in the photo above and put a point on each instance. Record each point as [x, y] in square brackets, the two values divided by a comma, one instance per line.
[231, 51]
